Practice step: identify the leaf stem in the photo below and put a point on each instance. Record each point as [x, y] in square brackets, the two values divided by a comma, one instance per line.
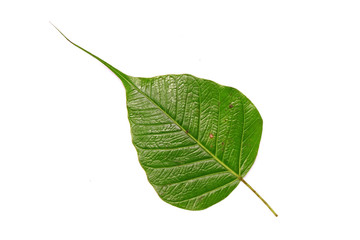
[259, 197]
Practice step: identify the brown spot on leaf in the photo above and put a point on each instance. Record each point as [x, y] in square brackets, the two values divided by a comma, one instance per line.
[222, 143]
[187, 131]
[211, 135]
[231, 106]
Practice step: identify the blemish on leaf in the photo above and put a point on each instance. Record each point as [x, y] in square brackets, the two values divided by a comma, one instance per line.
[211, 135]
[231, 106]
[179, 161]
[222, 143]
[187, 131]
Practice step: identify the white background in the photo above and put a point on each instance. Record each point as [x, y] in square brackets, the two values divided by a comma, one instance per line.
[68, 169]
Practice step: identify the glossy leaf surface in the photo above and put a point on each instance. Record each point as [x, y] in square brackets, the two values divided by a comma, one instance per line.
[195, 138]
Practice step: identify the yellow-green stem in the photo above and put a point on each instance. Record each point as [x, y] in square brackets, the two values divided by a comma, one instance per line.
[259, 197]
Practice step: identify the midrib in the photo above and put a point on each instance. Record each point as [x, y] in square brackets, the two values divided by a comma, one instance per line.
[123, 78]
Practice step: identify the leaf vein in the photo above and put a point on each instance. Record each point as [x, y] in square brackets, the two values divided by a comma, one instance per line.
[212, 190]
[195, 178]
[181, 165]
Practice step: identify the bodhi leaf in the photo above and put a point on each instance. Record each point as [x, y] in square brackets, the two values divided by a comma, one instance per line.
[195, 139]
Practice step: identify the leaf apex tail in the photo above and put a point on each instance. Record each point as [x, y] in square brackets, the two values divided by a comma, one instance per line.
[123, 77]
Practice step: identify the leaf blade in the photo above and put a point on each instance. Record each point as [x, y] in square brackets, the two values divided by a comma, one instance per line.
[158, 144]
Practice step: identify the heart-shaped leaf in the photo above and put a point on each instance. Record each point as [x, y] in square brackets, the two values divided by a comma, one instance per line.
[195, 139]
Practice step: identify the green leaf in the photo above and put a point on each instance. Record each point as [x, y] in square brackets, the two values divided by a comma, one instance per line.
[195, 139]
